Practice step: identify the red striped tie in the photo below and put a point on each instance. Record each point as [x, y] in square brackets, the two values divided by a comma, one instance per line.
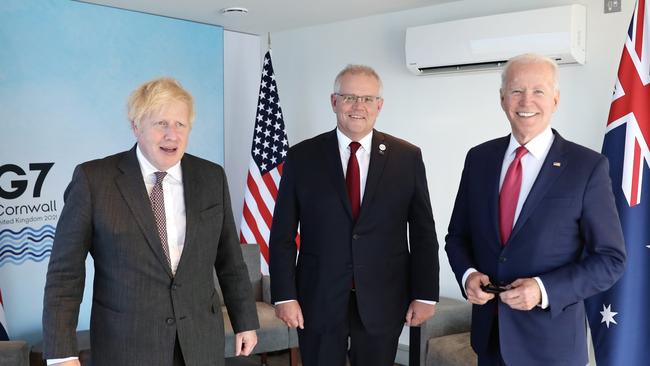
[510, 195]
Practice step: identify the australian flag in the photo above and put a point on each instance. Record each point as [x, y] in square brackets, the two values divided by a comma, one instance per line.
[620, 317]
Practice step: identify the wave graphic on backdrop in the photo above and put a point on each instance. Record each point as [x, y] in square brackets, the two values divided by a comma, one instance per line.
[29, 243]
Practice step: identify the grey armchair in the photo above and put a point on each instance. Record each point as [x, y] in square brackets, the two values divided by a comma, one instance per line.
[14, 353]
[273, 334]
[444, 339]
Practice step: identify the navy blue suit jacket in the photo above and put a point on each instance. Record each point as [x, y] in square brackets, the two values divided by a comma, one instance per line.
[568, 233]
[334, 249]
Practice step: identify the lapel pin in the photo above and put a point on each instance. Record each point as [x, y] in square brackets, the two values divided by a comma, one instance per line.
[382, 148]
[557, 163]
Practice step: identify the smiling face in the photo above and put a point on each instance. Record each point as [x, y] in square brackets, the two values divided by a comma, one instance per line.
[356, 119]
[162, 134]
[529, 98]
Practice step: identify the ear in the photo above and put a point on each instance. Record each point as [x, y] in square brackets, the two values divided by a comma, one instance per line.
[333, 102]
[556, 99]
[380, 104]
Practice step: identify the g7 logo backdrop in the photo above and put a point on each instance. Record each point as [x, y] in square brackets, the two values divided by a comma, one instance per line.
[26, 219]
[20, 186]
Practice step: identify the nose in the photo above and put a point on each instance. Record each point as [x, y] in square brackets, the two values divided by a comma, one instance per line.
[525, 98]
[171, 133]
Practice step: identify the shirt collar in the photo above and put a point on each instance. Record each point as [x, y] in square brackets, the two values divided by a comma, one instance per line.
[344, 141]
[536, 147]
[148, 169]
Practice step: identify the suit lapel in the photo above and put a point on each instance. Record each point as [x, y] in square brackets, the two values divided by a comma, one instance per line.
[552, 168]
[378, 158]
[494, 164]
[132, 188]
[191, 184]
[330, 147]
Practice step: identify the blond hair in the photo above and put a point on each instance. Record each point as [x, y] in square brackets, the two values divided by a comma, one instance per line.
[151, 96]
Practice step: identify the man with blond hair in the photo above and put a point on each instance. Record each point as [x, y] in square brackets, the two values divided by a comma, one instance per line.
[534, 230]
[158, 223]
[368, 259]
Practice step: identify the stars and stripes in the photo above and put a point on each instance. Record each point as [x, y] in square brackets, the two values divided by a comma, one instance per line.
[4, 335]
[619, 318]
[268, 152]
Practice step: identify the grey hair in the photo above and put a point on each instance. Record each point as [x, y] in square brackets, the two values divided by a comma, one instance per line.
[531, 58]
[355, 70]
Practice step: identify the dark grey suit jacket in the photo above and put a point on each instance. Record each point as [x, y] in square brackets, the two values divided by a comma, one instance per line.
[138, 307]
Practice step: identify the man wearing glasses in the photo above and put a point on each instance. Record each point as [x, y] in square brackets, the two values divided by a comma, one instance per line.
[354, 192]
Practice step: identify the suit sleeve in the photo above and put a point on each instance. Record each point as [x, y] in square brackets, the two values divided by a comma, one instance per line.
[425, 267]
[282, 244]
[232, 272]
[66, 271]
[458, 242]
[604, 256]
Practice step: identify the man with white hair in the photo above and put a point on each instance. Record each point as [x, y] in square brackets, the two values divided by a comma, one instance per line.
[534, 230]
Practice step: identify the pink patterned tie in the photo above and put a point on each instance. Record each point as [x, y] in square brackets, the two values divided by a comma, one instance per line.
[158, 205]
[510, 195]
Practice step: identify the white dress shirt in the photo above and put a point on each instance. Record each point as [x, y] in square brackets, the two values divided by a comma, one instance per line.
[531, 164]
[174, 204]
[174, 213]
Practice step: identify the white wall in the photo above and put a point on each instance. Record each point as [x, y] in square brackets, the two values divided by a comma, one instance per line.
[242, 67]
[444, 115]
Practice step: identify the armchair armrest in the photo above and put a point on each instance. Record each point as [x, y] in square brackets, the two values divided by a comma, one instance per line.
[14, 353]
[266, 289]
[452, 316]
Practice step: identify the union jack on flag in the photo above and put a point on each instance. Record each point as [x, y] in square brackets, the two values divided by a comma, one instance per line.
[619, 318]
[268, 152]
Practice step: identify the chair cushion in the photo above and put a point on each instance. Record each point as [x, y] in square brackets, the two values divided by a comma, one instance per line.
[451, 350]
[273, 334]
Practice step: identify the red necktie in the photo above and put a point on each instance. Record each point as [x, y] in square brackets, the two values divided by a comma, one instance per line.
[353, 180]
[510, 195]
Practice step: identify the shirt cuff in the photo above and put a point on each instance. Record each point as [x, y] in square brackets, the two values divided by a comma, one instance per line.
[465, 275]
[542, 289]
[284, 302]
[427, 301]
[54, 361]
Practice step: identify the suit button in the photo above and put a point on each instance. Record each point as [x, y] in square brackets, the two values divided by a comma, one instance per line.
[502, 259]
[170, 321]
[175, 286]
[355, 236]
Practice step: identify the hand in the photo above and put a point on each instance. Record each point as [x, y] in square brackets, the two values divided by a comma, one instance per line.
[245, 342]
[291, 314]
[524, 294]
[475, 294]
[74, 362]
[418, 313]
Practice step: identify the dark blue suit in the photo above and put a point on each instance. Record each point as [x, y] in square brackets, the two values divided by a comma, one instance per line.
[568, 233]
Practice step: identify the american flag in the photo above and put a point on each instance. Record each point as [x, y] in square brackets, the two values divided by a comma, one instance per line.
[269, 150]
[4, 335]
[619, 318]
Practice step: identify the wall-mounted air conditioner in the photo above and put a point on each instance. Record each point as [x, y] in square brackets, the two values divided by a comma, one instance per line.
[487, 42]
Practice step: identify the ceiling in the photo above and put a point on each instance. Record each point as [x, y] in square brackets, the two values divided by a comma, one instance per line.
[267, 15]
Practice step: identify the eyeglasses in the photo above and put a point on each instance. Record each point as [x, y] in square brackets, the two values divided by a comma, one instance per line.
[351, 98]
